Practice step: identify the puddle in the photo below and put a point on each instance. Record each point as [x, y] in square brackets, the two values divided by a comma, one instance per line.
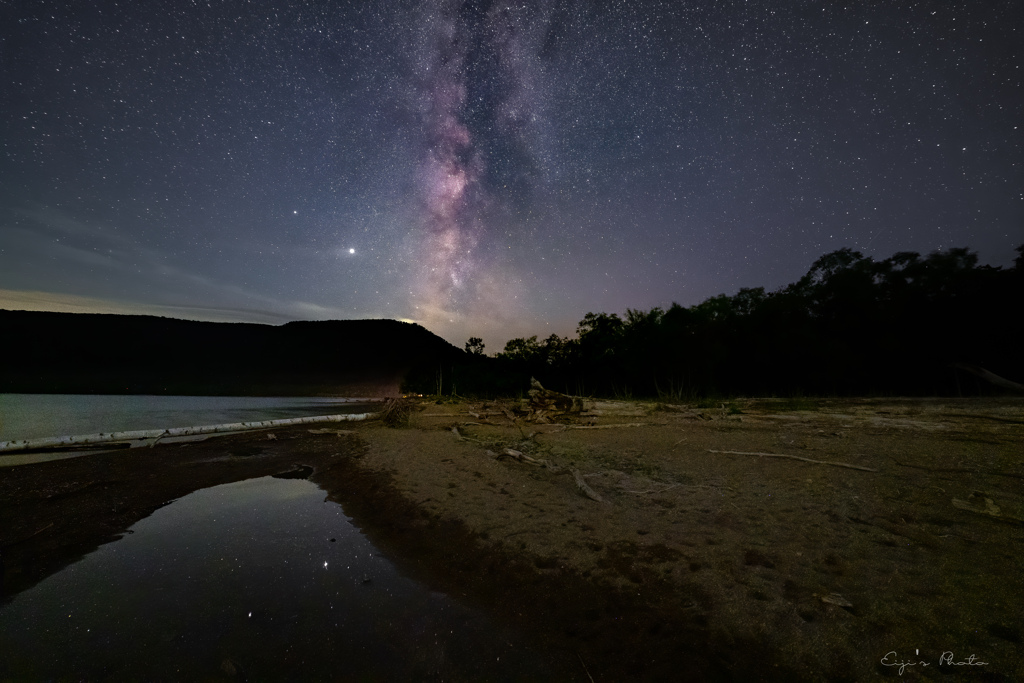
[255, 580]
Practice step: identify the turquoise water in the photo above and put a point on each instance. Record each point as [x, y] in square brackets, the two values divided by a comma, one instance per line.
[262, 578]
[31, 416]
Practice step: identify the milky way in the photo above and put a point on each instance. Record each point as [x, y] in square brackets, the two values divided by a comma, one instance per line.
[489, 57]
[451, 168]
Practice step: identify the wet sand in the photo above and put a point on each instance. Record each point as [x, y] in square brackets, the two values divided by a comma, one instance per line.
[694, 564]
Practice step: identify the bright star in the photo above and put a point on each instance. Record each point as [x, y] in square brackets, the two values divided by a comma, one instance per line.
[351, 251]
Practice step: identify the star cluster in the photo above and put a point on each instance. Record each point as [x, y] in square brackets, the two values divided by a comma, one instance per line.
[491, 169]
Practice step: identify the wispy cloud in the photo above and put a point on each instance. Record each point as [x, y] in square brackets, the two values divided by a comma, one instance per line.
[22, 300]
[51, 261]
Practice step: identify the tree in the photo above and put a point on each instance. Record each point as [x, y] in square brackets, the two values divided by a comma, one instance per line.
[521, 349]
[834, 262]
[475, 346]
[599, 334]
[747, 300]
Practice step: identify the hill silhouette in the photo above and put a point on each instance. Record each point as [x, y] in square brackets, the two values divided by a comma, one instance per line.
[131, 354]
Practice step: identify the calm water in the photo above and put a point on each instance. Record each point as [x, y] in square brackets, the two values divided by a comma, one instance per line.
[260, 577]
[30, 416]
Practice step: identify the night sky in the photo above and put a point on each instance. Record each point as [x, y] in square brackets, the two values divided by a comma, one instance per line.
[491, 169]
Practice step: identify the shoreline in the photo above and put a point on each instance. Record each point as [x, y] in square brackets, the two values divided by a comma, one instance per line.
[698, 565]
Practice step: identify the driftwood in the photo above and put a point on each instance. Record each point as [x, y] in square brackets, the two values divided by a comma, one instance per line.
[980, 504]
[564, 428]
[32, 535]
[906, 531]
[581, 485]
[396, 412]
[522, 457]
[515, 421]
[625, 424]
[584, 488]
[989, 377]
[620, 408]
[545, 399]
[797, 457]
[836, 599]
[460, 437]
[544, 404]
[585, 667]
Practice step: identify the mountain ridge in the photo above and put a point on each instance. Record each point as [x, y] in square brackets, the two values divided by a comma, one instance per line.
[49, 352]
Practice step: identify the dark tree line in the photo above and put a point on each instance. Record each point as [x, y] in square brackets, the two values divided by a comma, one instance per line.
[850, 326]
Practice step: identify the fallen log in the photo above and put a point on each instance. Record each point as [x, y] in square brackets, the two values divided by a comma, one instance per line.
[544, 404]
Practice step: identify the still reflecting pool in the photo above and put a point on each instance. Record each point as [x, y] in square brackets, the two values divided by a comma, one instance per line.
[259, 580]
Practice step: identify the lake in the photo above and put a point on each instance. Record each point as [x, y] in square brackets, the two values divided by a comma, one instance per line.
[256, 580]
[31, 416]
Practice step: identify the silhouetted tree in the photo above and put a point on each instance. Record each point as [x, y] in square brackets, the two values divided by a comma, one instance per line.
[522, 349]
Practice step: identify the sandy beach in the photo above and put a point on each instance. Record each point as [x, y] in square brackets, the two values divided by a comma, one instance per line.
[773, 540]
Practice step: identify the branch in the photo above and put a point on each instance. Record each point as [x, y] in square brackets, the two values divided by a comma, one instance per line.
[522, 457]
[584, 489]
[797, 457]
[625, 424]
[460, 437]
